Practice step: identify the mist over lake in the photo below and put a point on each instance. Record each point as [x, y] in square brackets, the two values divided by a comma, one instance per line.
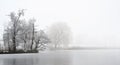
[62, 57]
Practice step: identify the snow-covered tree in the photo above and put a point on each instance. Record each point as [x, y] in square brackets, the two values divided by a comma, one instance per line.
[22, 34]
[60, 34]
[13, 29]
[41, 40]
[32, 22]
[6, 39]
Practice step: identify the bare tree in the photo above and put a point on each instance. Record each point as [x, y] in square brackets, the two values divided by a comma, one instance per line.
[6, 39]
[41, 40]
[32, 26]
[24, 33]
[27, 34]
[15, 27]
[60, 34]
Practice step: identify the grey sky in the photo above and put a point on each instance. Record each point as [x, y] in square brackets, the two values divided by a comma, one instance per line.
[93, 22]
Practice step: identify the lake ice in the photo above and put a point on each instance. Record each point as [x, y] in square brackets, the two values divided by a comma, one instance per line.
[64, 57]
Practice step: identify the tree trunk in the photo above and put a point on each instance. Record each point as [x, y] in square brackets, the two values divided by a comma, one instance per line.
[14, 44]
[9, 49]
[14, 38]
[32, 37]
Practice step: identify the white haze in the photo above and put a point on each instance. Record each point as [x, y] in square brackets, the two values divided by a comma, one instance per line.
[93, 22]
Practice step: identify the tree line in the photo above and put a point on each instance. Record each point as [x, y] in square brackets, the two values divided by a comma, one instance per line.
[21, 35]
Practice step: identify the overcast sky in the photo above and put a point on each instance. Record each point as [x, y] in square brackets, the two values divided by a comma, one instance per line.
[93, 22]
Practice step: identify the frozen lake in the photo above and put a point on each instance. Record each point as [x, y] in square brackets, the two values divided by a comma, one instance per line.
[75, 57]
